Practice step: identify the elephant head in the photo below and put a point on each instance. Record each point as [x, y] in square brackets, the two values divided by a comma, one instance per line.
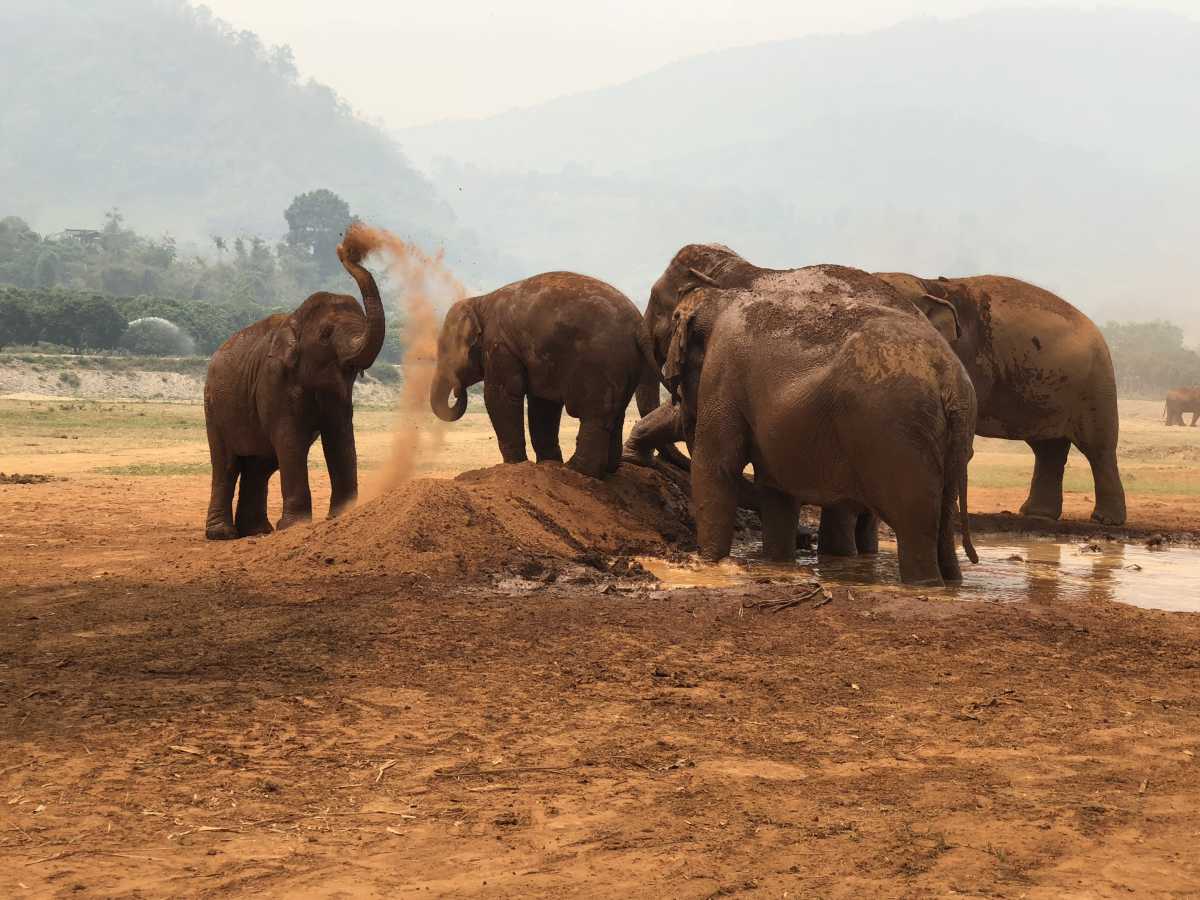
[329, 339]
[691, 324]
[940, 301]
[695, 265]
[459, 360]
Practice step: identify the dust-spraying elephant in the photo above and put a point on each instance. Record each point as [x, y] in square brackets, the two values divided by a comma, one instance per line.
[1180, 401]
[1042, 374]
[834, 398]
[277, 385]
[564, 341]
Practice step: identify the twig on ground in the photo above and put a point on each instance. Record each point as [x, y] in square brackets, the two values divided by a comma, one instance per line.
[789, 602]
[483, 773]
[387, 765]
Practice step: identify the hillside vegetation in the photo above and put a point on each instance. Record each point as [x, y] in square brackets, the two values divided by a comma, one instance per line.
[1055, 145]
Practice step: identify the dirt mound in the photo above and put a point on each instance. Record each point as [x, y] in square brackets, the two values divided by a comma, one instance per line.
[489, 520]
[18, 478]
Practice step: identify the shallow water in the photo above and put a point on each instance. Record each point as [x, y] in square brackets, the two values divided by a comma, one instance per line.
[1011, 567]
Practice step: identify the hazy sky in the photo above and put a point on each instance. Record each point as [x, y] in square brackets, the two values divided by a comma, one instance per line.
[406, 62]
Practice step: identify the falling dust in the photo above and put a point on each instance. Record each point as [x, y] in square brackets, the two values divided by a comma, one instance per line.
[426, 285]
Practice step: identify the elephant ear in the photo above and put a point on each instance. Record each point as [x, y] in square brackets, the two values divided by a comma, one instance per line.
[943, 315]
[285, 345]
[677, 350]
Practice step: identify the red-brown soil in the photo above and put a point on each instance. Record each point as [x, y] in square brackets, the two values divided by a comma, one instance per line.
[189, 719]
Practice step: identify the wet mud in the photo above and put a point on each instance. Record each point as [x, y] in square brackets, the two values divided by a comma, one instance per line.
[1012, 568]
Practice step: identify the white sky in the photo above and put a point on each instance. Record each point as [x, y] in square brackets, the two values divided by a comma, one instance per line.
[404, 62]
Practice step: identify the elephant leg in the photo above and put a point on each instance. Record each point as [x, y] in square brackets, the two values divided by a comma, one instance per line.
[251, 516]
[218, 524]
[1195, 416]
[1045, 491]
[544, 419]
[616, 434]
[592, 448]
[720, 453]
[1110, 492]
[947, 551]
[341, 459]
[661, 428]
[919, 545]
[293, 477]
[780, 519]
[836, 535]
[506, 411]
[866, 533]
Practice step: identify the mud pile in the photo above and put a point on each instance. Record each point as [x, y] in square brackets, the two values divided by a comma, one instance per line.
[491, 520]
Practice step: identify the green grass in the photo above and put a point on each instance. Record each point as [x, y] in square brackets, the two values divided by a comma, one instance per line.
[152, 469]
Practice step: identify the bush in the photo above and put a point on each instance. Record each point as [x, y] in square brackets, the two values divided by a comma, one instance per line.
[70, 379]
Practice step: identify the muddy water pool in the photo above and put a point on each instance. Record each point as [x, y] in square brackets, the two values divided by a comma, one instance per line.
[1011, 568]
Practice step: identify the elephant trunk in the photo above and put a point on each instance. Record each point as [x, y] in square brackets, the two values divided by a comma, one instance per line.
[439, 399]
[365, 347]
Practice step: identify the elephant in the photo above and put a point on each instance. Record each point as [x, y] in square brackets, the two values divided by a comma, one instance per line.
[842, 532]
[1181, 400]
[835, 399]
[564, 341]
[276, 385]
[1042, 374]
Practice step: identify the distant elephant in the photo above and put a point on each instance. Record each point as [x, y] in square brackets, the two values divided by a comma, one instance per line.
[835, 400]
[1042, 374]
[274, 387]
[560, 339]
[842, 533]
[1181, 400]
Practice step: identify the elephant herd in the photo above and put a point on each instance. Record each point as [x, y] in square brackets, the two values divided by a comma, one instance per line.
[859, 393]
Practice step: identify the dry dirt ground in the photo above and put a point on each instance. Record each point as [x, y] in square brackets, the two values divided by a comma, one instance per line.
[181, 719]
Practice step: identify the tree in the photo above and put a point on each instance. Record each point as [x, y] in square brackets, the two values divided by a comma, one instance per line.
[82, 322]
[316, 222]
[16, 324]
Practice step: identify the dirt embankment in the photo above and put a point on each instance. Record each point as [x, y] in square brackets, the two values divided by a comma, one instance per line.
[504, 518]
[90, 378]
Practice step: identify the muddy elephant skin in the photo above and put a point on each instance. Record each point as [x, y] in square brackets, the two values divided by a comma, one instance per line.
[563, 340]
[843, 532]
[1042, 374]
[1182, 400]
[277, 385]
[833, 399]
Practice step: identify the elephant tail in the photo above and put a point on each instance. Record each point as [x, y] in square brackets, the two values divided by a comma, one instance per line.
[651, 378]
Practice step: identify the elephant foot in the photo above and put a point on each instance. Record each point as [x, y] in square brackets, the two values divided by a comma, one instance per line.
[286, 522]
[550, 457]
[259, 528]
[220, 533]
[1041, 512]
[634, 458]
[1108, 518]
[596, 472]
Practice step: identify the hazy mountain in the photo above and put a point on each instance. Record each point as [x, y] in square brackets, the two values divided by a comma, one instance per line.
[158, 108]
[1055, 145]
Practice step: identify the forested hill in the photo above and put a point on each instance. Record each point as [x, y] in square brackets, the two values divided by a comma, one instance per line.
[156, 107]
[1057, 145]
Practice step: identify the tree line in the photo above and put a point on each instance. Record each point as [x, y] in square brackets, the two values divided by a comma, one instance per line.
[1150, 357]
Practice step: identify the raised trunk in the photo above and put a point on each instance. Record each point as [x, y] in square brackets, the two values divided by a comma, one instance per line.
[439, 399]
[362, 352]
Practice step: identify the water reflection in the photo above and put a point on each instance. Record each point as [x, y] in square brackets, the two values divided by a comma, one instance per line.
[1011, 568]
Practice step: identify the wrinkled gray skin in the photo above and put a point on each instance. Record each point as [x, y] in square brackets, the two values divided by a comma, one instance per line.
[271, 390]
[844, 530]
[1042, 374]
[1180, 401]
[833, 398]
[564, 341]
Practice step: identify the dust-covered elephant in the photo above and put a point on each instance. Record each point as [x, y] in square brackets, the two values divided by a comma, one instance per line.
[277, 385]
[842, 532]
[1180, 401]
[833, 398]
[562, 340]
[1042, 374]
